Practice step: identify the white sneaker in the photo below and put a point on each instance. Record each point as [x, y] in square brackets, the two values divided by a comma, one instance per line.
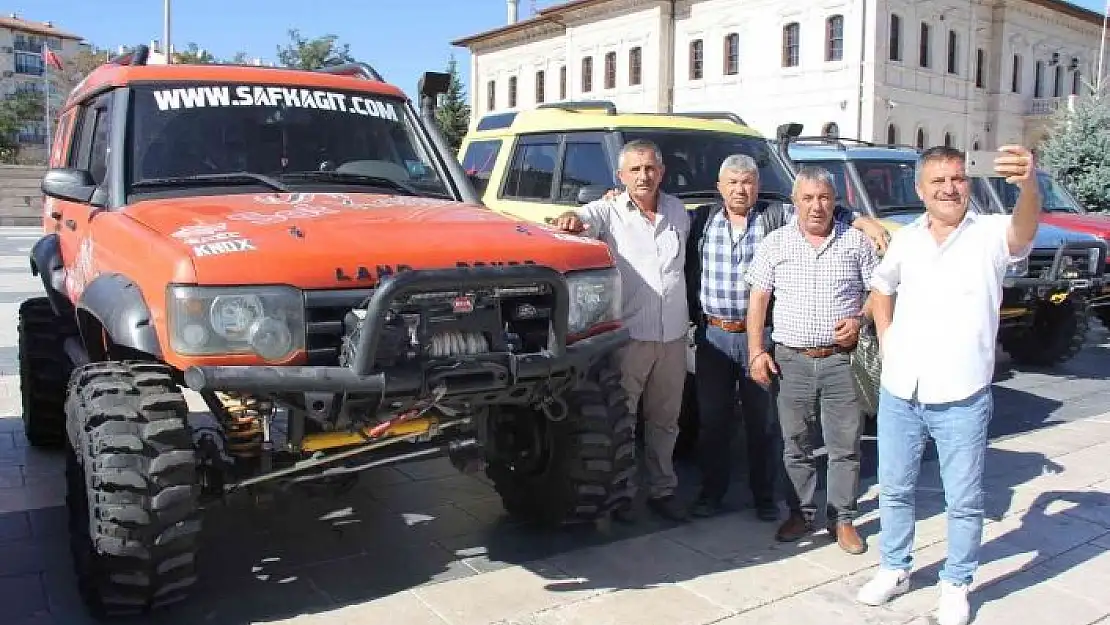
[887, 584]
[952, 608]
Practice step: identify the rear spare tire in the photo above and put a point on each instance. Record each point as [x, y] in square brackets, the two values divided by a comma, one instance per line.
[1055, 335]
[575, 470]
[132, 487]
[44, 370]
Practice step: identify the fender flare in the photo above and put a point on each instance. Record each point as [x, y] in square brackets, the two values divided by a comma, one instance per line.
[47, 264]
[118, 305]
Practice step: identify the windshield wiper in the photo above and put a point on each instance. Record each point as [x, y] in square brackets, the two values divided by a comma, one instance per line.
[901, 208]
[346, 177]
[235, 177]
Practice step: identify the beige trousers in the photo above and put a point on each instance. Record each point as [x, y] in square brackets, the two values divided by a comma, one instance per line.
[656, 371]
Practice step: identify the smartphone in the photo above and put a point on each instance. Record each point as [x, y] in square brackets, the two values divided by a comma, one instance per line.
[980, 163]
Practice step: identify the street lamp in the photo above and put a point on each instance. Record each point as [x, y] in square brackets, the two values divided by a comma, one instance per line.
[1102, 51]
[166, 31]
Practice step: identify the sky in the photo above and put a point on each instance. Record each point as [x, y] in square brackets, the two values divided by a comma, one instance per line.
[401, 39]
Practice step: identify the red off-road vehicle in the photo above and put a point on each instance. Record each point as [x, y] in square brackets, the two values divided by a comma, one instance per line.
[297, 257]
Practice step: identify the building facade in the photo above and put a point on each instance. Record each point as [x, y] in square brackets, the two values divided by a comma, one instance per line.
[973, 74]
[23, 67]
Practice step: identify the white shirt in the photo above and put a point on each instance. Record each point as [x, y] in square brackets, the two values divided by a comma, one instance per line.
[941, 343]
[651, 258]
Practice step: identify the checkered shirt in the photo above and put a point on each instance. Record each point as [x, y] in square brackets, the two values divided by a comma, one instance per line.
[724, 260]
[814, 288]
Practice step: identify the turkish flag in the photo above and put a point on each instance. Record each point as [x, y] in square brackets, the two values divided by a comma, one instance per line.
[51, 58]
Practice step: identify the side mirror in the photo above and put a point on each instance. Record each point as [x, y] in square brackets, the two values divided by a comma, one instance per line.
[591, 192]
[66, 183]
[790, 131]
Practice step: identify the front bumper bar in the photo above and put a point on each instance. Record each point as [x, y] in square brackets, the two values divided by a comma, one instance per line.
[1057, 278]
[470, 374]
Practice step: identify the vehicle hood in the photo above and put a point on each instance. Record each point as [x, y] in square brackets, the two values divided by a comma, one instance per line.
[1048, 235]
[1098, 225]
[310, 240]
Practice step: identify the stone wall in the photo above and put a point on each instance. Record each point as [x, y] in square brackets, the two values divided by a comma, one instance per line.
[20, 195]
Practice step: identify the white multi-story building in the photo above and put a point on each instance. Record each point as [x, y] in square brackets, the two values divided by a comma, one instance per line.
[970, 73]
[22, 66]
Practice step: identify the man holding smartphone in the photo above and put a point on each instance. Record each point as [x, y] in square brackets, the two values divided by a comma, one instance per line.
[938, 346]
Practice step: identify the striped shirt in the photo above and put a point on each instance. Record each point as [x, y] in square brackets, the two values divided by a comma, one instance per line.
[651, 259]
[814, 288]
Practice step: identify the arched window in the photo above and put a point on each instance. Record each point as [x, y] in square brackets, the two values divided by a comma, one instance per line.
[921, 138]
[892, 135]
[947, 139]
[975, 146]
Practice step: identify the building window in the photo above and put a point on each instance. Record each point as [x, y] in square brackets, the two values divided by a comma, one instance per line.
[1038, 80]
[697, 60]
[587, 74]
[732, 54]
[491, 95]
[539, 87]
[29, 64]
[947, 139]
[1058, 82]
[635, 65]
[610, 70]
[952, 55]
[790, 35]
[894, 42]
[921, 138]
[563, 82]
[975, 146]
[1076, 82]
[834, 38]
[891, 134]
[1015, 77]
[512, 91]
[980, 68]
[924, 54]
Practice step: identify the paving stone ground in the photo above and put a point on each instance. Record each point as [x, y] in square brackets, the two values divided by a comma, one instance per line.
[421, 544]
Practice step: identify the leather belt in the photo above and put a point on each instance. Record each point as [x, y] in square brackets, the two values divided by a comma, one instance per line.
[823, 351]
[728, 325]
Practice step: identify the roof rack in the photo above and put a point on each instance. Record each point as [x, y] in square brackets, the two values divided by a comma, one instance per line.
[842, 142]
[136, 57]
[356, 69]
[723, 115]
[576, 105]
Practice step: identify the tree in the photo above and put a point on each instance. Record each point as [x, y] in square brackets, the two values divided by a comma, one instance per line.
[452, 111]
[313, 54]
[194, 55]
[16, 111]
[1077, 150]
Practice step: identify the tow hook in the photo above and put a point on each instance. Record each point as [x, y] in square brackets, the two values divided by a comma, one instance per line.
[554, 408]
[1058, 298]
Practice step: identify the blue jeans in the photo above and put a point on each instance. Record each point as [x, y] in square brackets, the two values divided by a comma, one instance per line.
[960, 431]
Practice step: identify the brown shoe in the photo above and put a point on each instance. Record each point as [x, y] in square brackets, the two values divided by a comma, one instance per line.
[793, 528]
[847, 537]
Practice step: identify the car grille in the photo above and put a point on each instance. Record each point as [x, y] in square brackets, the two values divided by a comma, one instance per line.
[324, 312]
[1076, 263]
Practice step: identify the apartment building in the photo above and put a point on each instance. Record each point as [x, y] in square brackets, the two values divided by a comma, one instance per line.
[969, 73]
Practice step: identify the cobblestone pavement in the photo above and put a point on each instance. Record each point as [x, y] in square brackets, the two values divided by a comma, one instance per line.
[423, 544]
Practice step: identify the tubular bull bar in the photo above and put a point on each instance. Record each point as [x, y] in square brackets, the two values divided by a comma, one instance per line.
[1059, 278]
[482, 373]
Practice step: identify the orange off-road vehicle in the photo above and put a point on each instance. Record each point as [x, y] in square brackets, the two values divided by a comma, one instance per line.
[258, 277]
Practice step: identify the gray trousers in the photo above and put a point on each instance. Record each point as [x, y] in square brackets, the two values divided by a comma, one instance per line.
[657, 372]
[806, 386]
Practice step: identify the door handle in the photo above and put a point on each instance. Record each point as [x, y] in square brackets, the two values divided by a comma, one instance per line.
[71, 224]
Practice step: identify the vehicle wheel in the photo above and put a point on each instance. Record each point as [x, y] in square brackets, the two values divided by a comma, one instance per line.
[44, 369]
[132, 488]
[1103, 313]
[575, 470]
[1055, 335]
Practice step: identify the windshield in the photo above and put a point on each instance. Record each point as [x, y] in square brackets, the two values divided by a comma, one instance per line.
[889, 185]
[1055, 197]
[214, 134]
[693, 158]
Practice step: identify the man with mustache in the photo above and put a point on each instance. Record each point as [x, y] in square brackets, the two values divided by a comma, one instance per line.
[938, 345]
[646, 231]
[723, 240]
[818, 271]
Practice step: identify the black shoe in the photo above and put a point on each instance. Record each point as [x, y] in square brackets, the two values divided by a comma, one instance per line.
[667, 507]
[706, 507]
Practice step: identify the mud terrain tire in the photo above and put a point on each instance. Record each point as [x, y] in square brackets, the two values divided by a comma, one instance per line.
[1103, 313]
[44, 370]
[132, 488]
[588, 458]
[1056, 335]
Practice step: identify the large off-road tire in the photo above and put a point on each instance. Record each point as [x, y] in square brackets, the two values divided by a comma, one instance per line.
[585, 462]
[132, 487]
[1055, 335]
[1103, 313]
[44, 370]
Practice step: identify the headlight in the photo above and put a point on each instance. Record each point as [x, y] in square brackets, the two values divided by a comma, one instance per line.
[267, 321]
[595, 297]
[1018, 268]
